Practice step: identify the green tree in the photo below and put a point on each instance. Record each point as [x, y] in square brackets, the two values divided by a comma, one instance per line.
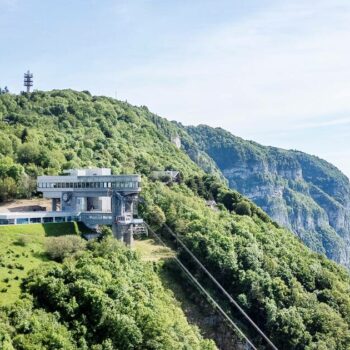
[243, 208]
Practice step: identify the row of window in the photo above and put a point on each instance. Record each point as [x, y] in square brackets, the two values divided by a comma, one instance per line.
[117, 184]
[21, 221]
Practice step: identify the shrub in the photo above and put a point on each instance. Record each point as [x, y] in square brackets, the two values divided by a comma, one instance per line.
[243, 208]
[23, 241]
[58, 248]
[106, 231]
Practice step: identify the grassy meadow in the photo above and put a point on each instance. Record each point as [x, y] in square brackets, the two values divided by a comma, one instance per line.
[22, 249]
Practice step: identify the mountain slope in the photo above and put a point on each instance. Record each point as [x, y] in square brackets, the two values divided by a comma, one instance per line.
[299, 298]
[301, 192]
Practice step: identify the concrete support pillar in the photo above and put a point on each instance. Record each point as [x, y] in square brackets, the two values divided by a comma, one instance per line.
[129, 236]
[54, 204]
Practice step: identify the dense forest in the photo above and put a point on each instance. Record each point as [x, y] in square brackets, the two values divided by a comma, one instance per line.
[299, 298]
[101, 297]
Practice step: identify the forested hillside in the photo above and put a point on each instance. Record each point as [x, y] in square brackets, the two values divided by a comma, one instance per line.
[299, 298]
[102, 297]
[301, 192]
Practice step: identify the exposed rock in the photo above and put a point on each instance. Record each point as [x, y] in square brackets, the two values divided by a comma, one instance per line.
[301, 192]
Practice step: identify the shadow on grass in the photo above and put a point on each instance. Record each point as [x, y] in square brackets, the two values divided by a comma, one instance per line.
[41, 256]
[65, 228]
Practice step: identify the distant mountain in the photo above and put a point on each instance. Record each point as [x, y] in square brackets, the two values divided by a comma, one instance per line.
[301, 192]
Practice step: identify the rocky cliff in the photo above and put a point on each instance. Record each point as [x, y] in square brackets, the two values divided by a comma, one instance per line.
[302, 192]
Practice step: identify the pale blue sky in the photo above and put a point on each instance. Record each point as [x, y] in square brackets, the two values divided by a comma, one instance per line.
[277, 72]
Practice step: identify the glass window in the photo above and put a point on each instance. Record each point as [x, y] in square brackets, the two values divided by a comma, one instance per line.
[109, 185]
[21, 221]
[35, 220]
[79, 184]
[59, 219]
[83, 185]
[47, 219]
[88, 185]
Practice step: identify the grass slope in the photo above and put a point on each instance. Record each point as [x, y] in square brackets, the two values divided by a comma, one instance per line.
[21, 250]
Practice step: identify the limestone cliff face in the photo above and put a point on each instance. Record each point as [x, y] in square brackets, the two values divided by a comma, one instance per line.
[299, 191]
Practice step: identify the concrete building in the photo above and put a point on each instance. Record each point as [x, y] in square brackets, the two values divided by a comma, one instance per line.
[92, 196]
[166, 175]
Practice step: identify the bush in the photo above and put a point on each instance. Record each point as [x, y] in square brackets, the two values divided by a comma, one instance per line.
[23, 241]
[157, 218]
[243, 208]
[106, 231]
[58, 248]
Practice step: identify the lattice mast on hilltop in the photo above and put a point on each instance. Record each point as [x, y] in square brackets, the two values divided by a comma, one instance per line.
[28, 80]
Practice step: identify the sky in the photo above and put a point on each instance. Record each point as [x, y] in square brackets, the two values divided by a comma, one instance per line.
[276, 72]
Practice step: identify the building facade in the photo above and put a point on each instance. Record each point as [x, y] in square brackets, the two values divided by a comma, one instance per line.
[92, 196]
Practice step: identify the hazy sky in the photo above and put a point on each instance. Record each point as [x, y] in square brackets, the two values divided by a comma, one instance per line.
[277, 72]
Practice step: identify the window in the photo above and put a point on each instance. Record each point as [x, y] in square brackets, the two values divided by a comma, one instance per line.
[59, 219]
[22, 221]
[48, 219]
[75, 185]
[35, 220]
[79, 184]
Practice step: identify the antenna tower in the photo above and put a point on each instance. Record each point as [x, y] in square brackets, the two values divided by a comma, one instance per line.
[28, 80]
